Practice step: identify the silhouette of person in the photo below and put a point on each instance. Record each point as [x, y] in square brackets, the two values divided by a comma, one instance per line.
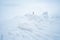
[33, 13]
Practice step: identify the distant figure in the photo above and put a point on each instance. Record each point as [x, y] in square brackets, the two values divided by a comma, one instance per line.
[33, 13]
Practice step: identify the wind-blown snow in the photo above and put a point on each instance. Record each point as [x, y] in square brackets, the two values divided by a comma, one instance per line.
[31, 27]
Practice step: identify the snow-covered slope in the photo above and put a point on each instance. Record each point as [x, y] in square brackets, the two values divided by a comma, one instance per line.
[31, 27]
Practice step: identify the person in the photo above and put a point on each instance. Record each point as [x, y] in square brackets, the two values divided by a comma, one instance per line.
[33, 13]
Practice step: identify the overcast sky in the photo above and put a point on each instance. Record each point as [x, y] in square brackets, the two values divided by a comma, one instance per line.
[11, 8]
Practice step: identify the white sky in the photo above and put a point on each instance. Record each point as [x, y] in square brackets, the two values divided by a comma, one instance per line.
[11, 8]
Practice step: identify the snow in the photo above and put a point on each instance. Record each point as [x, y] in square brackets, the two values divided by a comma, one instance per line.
[31, 27]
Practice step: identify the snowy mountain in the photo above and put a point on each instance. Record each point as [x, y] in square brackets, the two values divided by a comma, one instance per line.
[31, 27]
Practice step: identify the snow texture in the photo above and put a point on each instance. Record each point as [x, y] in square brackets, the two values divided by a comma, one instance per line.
[31, 27]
